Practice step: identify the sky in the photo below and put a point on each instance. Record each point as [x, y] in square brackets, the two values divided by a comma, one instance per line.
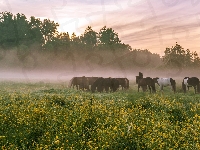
[143, 24]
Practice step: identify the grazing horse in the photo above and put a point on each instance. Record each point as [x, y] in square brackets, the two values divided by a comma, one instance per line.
[98, 85]
[189, 82]
[79, 82]
[139, 77]
[107, 84]
[92, 80]
[144, 82]
[114, 84]
[162, 82]
[124, 82]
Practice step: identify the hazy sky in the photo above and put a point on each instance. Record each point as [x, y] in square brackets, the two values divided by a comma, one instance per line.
[144, 24]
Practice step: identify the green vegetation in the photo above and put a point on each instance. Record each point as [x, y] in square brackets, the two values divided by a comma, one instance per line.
[32, 37]
[17, 30]
[179, 58]
[51, 116]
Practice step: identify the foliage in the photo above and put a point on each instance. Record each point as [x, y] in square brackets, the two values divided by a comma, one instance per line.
[178, 57]
[89, 37]
[48, 116]
[108, 36]
[16, 30]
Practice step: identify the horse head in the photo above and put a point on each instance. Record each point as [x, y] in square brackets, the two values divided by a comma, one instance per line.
[156, 80]
[141, 75]
[173, 84]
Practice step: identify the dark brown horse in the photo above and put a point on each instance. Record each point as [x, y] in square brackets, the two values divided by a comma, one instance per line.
[114, 84]
[79, 83]
[144, 82]
[82, 83]
[98, 85]
[139, 77]
[189, 82]
[124, 82]
[107, 84]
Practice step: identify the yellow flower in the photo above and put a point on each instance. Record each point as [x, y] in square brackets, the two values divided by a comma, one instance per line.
[57, 142]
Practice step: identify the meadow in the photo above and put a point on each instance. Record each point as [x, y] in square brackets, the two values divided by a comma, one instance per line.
[43, 115]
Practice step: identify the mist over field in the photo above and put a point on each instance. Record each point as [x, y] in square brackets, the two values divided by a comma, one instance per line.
[55, 66]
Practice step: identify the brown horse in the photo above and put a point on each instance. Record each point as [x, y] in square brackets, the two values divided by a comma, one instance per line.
[98, 85]
[124, 82]
[139, 77]
[144, 82]
[80, 83]
[107, 84]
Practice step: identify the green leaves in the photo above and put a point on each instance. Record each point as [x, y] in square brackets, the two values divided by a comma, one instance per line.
[178, 57]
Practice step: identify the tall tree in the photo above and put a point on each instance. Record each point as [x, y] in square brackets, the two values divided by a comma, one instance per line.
[49, 29]
[35, 26]
[22, 29]
[89, 37]
[7, 30]
[75, 40]
[108, 36]
[177, 56]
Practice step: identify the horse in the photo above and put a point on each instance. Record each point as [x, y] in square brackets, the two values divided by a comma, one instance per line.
[189, 82]
[144, 82]
[106, 84]
[80, 83]
[114, 84]
[98, 85]
[124, 82]
[163, 82]
[92, 80]
[139, 77]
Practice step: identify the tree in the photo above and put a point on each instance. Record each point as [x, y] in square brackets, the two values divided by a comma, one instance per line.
[107, 36]
[89, 37]
[75, 40]
[177, 56]
[196, 59]
[35, 26]
[7, 30]
[49, 29]
[22, 29]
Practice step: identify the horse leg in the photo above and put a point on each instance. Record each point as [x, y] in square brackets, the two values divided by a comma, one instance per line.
[149, 88]
[172, 87]
[194, 89]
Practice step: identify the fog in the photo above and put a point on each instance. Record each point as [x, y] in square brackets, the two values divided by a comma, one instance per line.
[36, 66]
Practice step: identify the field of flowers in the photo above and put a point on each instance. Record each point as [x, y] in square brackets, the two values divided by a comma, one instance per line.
[51, 116]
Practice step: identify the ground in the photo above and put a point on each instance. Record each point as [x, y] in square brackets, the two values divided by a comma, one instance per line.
[50, 115]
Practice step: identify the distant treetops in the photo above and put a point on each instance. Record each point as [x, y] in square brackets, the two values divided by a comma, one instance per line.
[18, 31]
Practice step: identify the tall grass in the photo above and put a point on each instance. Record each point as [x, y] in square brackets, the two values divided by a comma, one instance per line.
[51, 116]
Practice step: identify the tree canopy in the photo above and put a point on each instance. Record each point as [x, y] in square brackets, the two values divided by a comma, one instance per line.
[17, 29]
[177, 56]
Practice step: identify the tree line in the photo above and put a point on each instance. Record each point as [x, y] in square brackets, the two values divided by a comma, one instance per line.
[18, 31]
[177, 56]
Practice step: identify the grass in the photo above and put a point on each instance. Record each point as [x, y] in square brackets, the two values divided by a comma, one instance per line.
[51, 116]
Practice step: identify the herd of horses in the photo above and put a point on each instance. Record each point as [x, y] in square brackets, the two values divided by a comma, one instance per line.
[162, 82]
[101, 84]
